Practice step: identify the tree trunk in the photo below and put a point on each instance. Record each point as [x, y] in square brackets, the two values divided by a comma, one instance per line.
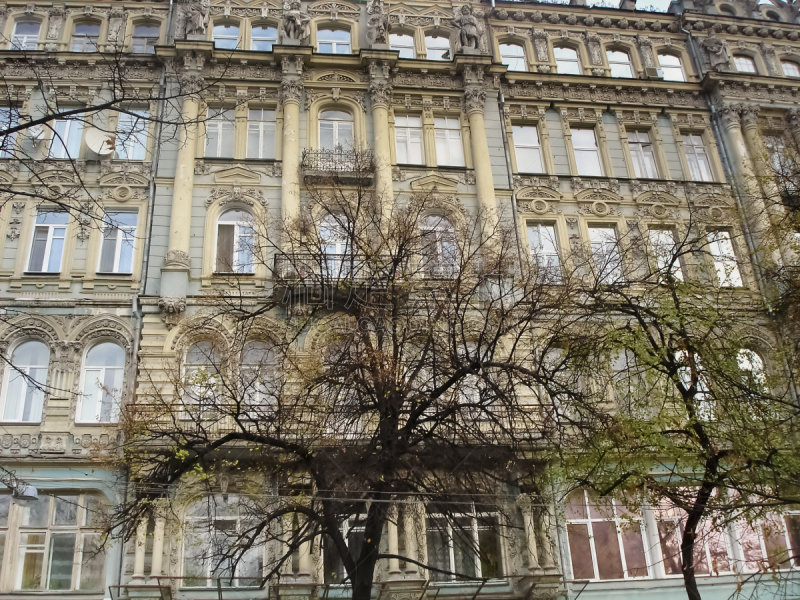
[688, 541]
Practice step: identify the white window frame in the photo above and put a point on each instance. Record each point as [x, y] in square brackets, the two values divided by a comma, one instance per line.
[354, 525]
[200, 397]
[567, 66]
[605, 253]
[83, 42]
[407, 49]
[223, 124]
[616, 62]
[697, 157]
[25, 41]
[252, 375]
[340, 128]
[435, 50]
[672, 72]
[240, 235]
[145, 44]
[544, 248]
[435, 522]
[584, 150]
[527, 147]
[408, 134]
[8, 118]
[99, 391]
[336, 45]
[132, 135]
[449, 146]
[24, 371]
[745, 64]
[264, 38]
[261, 128]
[515, 62]
[705, 407]
[764, 558]
[643, 154]
[659, 240]
[52, 235]
[442, 262]
[118, 234]
[226, 38]
[723, 255]
[67, 136]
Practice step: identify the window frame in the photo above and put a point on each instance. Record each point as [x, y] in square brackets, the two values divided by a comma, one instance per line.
[259, 127]
[46, 256]
[9, 117]
[445, 138]
[337, 129]
[614, 258]
[263, 39]
[195, 398]
[627, 63]
[403, 135]
[238, 234]
[8, 373]
[578, 65]
[447, 54]
[640, 151]
[585, 149]
[145, 44]
[693, 156]
[335, 43]
[740, 60]
[516, 129]
[134, 140]
[71, 136]
[670, 68]
[552, 263]
[512, 58]
[223, 125]
[659, 256]
[123, 233]
[434, 521]
[101, 391]
[226, 37]
[88, 43]
[440, 231]
[793, 65]
[721, 260]
[401, 48]
[28, 44]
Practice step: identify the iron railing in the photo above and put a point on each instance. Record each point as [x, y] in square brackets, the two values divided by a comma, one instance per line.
[337, 161]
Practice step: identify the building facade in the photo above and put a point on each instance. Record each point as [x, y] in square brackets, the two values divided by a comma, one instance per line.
[578, 123]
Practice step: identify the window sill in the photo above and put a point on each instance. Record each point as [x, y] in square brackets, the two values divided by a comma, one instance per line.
[41, 273]
[104, 274]
[231, 274]
[95, 424]
[18, 423]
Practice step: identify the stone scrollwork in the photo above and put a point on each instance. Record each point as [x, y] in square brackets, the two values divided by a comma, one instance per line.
[539, 37]
[380, 93]
[177, 258]
[291, 90]
[235, 194]
[116, 25]
[55, 22]
[192, 83]
[173, 309]
[749, 113]
[474, 99]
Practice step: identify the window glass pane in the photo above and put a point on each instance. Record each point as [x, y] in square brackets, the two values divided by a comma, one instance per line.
[775, 543]
[489, 545]
[403, 43]
[575, 507]
[62, 560]
[31, 557]
[5, 504]
[225, 239]
[66, 511]
[35, 514]
[438, 553]
[633, 546]
[93, 564]
[580, 551]
[606, 546]
[464, 550]
[791, 69]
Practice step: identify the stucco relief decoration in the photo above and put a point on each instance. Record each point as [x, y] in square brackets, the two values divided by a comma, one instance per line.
[378, 25]
[470, 29]
[235, 194]
[579, 184]
[197, 14]
[17, 444]
[55, 22]
[177, 258]
[172, 308]
[296, 24]
[291, 90]
[14, 227]
[474, 99]
[645, 45]
[192, 83]
[84, 217]
[716, 53]
[380, 93]
[116, 24]
[595, 51]
[54, 443]
[539, 38]
[749, 114]
[638, 187]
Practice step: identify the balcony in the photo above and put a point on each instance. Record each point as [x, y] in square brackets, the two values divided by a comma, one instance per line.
[323, 269]
[338, 165]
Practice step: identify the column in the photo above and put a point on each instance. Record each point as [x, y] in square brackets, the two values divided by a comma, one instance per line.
[743, 168]
[475, 101]
[158, 545]
[524, 504]
[305, 566]
[793, 123]
[291, 95]
[410, 535]
[139, 550]
[381, 96]
[392, 541]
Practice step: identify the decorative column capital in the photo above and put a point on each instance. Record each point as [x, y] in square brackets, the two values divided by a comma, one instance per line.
[381, 93]
[474, 100]
[749, 113]
[793, 120]
[191, 83]
[730, 115]
[291, 91]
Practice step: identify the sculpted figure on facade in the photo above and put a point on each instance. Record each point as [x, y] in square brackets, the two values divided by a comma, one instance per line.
[54, 23]
[378, 26]
[197, 15]
[715, 53]
[470, 30]
[116, 22]
[296, 23]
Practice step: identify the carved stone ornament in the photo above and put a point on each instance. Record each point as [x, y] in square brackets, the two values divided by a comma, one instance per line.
[296, 24]
[192, 83]
[595, 50]
[116, 25]
[54, 23]
[291, 90]
[793, 119]
[380, 93]
[172, 308]
[196, 14]
[378, 25]
[235, 194]
[53, 443]
[470, 29]
[749, 113]
[730, 115]
[539, 38]
[177, 258]
[715, 53]
[474, 99]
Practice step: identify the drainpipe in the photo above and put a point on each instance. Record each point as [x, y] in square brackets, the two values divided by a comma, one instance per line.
[501, 102]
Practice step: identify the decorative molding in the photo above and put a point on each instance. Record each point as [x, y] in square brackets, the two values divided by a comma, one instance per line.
[173, 309]
[177, 258]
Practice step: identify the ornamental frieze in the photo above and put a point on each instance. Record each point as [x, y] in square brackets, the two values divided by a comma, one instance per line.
[653, 96]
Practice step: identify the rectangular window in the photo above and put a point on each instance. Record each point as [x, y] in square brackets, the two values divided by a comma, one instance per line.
[642, 154]
[8, 118]
[567, 62]
[544, 249]
[449, 150]
[776, 151]
[131, 141]
[527, 149]
[774, 543]
[587, 152]
[353, 533]
[66, 142]
[59, 545]
[470, 548]
[697, 157]
[116, 254]
[408, 140]
[606, 258]
[261, 133]
[605, 538]
[220, 133]
[662, 243]
[722, 253]
[47, 247]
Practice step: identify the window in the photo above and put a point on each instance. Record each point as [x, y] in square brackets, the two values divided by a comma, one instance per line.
[201, 380]
[131, 141]
[66, 142]
[620, 63]
[440, 255]
[116, 254]
[225, 36]
[335, 246]
[257, 375]
[587, 152]
[697, 157]
[744, 64]
[605, 254]
[470, 548]
[711, 547]
[235, 242]
[145, 38]
[720, 247]
[567, 62]
[335, 130]
[691, 363]
[353, 532]
[26, 35]
[790, 69]
[774, 543]
[776, 151]
[644, 159]
[437, 47]
[25, 381]
[605, 538]
[103, 373]
[333, 41]
[527, 149]
[402, 43]
[543, 245]
[220, 133]
[48, 242]
[751, 367]
[84, 38]
[59, 544]
[513, 56]
[212, 528]
[9, 117]
[662, 243]
[449, 150]
[672, 67]
[408, 140]
[263, 38]
[261, 133]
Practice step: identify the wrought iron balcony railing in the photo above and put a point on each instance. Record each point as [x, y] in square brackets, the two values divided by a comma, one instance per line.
[338, 162]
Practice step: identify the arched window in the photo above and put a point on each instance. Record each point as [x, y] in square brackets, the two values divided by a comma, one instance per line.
[335, 246]
[145, 38]
[235, 242]
[790, 68]
[752, 368]
[26, 35]
[771, 14]
[513, 56]
[403, 43]
[691, 371]
[333, 41]
[439, 249]
[620, 63]
[27, 376]
[335, 130]
[263, 37]
[84, 37]
[225, 36]
[103, 373]
[672, 67]
[437, 47]
[201, 379]
[567, 62]
[744, 64]
[257, 376]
